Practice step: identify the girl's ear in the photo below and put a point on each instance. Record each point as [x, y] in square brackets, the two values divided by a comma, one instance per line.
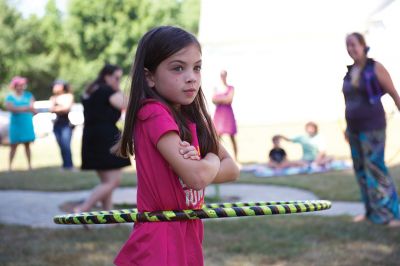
[149, 78]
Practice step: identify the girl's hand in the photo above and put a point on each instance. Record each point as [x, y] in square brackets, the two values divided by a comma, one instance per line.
[188, 151]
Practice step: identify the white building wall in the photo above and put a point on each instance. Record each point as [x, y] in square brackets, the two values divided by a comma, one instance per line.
[287, 58]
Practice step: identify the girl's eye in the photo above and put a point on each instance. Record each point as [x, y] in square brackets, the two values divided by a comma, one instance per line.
[178, 68]
[197, 68]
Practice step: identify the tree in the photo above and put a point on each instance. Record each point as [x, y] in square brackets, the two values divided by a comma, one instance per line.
[110, 30]
[74, 46]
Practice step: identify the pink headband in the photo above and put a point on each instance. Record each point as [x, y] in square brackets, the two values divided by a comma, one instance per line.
[18, 81]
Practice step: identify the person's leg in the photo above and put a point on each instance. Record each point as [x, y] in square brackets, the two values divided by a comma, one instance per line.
[272, 164]
[13, 149]
[57, 135]
[381, 188]
[110, 179]
[28, 154]
[63, 134]
[357, 155]
[287, 164]
[299, 163]
[235, 151]
[323, 160]
[114, 178]
[65, 145]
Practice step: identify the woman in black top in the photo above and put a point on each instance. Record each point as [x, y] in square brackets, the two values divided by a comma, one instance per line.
[102, 102]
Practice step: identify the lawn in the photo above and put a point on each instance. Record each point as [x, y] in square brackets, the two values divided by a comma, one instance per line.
[281, 240]
[284, 240]
[339, 185]
[46, 176]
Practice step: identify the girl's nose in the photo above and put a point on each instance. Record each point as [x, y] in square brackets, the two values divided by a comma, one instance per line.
[191, 78]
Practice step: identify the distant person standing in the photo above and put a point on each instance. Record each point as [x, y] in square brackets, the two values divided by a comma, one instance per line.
[20, 103]
[103, 102]
[61, 104]
[364, 84]
[224, 118]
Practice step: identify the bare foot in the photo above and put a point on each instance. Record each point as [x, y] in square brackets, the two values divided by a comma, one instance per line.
[359, 218]
[77, 209]
[394, 223]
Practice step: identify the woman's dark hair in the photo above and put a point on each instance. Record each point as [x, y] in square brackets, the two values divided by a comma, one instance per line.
[108, 69]
[360, 38]
[66, 85]
[155, 46]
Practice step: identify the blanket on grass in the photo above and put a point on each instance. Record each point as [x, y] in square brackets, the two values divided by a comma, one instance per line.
[261, 170]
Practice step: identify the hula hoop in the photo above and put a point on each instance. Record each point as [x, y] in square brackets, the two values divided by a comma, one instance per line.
[209, 211]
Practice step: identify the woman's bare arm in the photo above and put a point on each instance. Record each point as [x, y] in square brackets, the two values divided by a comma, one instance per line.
[386, 82]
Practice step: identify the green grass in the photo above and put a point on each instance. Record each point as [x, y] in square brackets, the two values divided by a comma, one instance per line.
[339, 185]
[284, 240]
[46, 175]
[53, 179]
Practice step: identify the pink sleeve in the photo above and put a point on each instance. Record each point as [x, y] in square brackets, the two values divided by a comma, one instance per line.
[157, 121]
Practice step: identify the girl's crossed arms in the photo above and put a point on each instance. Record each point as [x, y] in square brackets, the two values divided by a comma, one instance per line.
[197, 172]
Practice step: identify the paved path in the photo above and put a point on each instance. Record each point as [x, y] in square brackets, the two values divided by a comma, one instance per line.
[37, 208]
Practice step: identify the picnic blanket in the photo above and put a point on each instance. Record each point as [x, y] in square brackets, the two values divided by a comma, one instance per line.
[261, 170]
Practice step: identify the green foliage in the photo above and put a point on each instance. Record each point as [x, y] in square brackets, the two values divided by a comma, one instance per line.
[74, 46]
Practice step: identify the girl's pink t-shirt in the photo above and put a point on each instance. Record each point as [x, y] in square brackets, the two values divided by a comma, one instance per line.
[159, 188]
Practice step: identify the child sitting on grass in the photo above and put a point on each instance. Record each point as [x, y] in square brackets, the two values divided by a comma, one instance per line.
[277, 155]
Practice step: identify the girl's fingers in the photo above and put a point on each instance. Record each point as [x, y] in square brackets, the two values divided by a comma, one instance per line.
[185, 143]
[190, 154]
[186, 150]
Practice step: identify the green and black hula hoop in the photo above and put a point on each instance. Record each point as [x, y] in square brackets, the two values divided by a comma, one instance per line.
[209, 211]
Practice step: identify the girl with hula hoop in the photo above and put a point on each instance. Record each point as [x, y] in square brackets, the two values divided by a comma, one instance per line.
[177, 152]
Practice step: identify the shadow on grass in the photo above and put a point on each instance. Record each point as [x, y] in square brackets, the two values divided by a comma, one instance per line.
[300, 240]
[281, 240]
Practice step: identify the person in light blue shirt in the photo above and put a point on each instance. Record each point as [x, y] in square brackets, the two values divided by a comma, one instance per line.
[20, 103]
[313, 146]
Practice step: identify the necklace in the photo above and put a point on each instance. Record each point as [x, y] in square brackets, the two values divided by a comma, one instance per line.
[355, 74]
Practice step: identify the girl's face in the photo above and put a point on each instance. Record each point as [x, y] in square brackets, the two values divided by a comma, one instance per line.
[178, 78]
[355, 49]
[114, 79]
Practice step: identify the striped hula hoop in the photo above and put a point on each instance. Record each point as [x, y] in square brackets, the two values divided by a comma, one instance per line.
[209, 211]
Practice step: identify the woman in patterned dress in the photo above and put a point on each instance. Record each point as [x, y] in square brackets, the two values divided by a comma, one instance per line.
[364, 84]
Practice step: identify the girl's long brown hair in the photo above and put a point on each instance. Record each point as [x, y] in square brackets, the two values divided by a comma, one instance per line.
[155, 46]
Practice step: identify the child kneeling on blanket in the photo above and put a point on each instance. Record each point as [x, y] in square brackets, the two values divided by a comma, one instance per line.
[312, 145]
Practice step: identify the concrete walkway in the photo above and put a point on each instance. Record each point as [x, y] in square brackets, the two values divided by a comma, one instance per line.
[37, 209]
